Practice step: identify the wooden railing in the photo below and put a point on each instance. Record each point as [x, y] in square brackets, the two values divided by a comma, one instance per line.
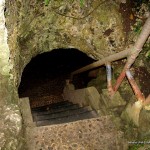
[131, 54]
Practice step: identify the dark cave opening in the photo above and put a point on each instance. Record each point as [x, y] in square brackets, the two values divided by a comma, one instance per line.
[46, 73]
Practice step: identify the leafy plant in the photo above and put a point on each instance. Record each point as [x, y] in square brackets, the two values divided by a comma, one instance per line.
[46, 2]
[81, 3]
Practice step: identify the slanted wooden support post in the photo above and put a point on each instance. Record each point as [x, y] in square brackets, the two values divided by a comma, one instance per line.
[135, 87]
[134, 52]
[109, 78]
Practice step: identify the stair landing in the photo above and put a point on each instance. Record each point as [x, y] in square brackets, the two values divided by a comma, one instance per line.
[90, 134]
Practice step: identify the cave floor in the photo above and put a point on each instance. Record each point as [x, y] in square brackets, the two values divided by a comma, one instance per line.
[43, 91]
[46, 90]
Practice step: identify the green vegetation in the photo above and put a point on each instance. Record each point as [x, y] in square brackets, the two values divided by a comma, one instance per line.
[138, 27]
[148, 54]
[139, 143]
[81, 3]
[46, 2]
[135, 146]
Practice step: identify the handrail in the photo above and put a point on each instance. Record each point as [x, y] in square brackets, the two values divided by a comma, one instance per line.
[103, 61]
[132, 55]
[136, 50]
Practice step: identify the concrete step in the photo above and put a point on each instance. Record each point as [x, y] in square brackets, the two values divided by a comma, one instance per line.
[69, 118]
[64, 113]
[54, 105]
[55, 110]
[90, 134]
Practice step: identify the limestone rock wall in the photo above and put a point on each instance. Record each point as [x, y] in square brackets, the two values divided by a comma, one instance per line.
[10, 118]
[94, 27]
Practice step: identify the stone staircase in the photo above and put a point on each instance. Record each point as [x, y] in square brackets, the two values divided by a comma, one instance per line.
[61, 112]
[67, 126]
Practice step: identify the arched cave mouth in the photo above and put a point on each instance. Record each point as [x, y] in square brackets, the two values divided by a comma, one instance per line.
[45, 74]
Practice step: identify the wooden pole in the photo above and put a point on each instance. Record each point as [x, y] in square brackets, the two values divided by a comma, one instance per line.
[103, 61]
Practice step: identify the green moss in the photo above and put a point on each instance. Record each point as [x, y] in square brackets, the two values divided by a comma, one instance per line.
[135, 146]
[148, 54]
[103, 16]
[107, 13]
[138, 27]
[100, 44]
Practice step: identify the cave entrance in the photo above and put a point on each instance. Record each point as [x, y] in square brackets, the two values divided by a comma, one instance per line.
[45, 75]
